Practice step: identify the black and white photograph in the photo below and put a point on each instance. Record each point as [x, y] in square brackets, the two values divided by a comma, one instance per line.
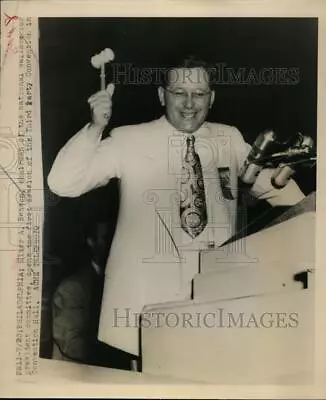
[160, 199]
[179, 162]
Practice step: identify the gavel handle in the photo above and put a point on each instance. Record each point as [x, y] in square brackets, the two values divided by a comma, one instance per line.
[102, 77]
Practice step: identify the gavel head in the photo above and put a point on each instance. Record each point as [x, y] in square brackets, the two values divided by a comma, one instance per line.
[102, 58]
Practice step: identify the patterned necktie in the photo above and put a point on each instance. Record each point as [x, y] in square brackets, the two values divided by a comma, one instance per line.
[192, 197]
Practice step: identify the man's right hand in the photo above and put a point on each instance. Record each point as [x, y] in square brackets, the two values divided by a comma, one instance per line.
[101, 107]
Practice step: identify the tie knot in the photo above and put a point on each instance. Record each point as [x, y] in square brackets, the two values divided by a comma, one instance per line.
[190, 141]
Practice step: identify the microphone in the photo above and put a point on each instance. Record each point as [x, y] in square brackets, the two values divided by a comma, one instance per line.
[260, 149]
[297, 152]
[297, 156]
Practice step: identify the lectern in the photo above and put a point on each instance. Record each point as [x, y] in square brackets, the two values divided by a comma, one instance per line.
[251, 318]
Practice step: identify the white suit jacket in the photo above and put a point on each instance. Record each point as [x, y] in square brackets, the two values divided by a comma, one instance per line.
[151, 259]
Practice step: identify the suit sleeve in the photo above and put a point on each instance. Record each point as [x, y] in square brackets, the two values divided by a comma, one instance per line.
[263, 188]
[84, 163]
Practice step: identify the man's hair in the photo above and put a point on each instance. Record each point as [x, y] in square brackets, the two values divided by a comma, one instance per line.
[189, 62]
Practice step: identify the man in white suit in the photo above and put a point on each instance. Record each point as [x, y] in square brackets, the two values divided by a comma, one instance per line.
[160, 230]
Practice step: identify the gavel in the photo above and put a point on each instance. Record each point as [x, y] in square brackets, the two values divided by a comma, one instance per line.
[99, 60]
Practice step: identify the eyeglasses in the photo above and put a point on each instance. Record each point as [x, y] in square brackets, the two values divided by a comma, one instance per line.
[182, 94]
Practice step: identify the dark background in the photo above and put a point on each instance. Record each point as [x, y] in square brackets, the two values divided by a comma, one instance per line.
[68, 79]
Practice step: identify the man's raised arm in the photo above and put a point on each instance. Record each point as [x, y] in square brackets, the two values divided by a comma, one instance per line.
[86, 162]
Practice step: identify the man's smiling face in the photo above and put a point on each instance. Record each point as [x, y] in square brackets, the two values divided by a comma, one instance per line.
[187, 98]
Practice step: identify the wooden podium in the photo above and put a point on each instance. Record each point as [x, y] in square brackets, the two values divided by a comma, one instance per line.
[251, 319]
